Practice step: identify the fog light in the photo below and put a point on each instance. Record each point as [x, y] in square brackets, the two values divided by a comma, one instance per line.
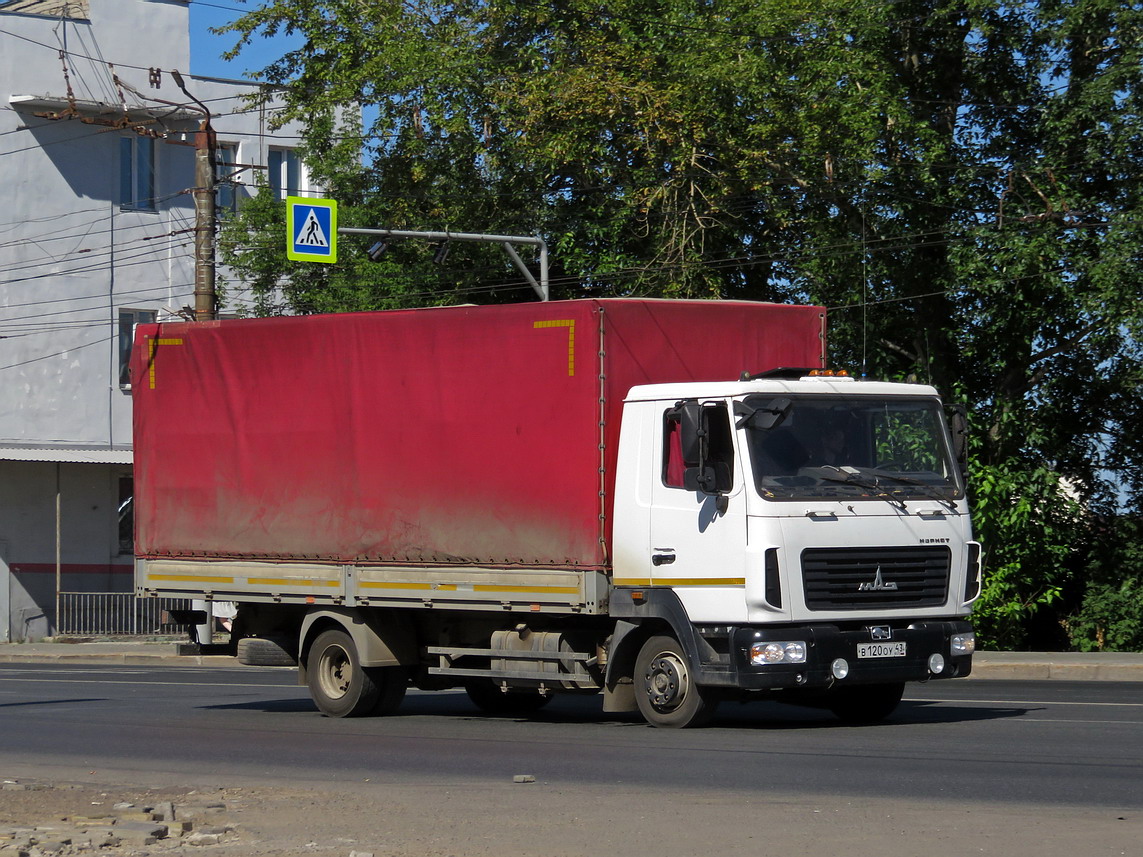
[839, 668]
[963, 644]
[778, 652]
[936, 664]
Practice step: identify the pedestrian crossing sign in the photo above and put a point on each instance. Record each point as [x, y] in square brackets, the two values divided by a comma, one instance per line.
[311, 229]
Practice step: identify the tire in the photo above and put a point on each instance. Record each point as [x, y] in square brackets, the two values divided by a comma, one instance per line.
[489, 698]
[338, 684]
[392, 682]
[266, 652]
[865, 704]
[664, 691]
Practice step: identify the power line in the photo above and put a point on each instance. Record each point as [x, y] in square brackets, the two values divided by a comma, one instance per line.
[62, 353]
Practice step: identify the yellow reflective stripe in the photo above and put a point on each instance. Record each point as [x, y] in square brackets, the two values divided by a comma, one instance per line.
[478, 587]
[681, 581]
[152, 346]
[569, 323]
[290, 581]
[566, 590]
[251, 581]
[190, 578]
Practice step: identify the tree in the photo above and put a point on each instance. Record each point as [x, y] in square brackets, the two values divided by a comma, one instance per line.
[661, 147]
[958, 181]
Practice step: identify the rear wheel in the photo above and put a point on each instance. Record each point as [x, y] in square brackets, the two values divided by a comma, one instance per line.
[338, 684]
[488, 697]
[864, 704]
[664, 689]
[392, 683]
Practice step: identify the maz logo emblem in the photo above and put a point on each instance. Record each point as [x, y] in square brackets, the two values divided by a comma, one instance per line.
[878, 584]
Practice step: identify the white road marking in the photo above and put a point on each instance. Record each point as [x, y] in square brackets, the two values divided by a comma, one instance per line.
[1024, 702]
[150, 683]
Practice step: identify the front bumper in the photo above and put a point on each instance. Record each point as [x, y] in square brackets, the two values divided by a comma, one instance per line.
[826, 643]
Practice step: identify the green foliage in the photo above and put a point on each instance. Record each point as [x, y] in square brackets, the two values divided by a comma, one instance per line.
[907, 441]
[958, 181]
[1111, 618]
[1027, 523]
[1110, 615]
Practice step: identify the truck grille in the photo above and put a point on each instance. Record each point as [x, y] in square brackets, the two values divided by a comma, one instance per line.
[869, 578]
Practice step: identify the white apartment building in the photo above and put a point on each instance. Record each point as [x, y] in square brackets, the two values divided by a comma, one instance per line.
[96, 235]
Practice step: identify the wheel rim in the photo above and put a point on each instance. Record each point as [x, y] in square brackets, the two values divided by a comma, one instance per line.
[666, 681]
[335, 672]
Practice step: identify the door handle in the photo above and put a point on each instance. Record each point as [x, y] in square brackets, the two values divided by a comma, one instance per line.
[662, 558]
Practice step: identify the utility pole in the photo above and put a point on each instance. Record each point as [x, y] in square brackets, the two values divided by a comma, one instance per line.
[205, 296]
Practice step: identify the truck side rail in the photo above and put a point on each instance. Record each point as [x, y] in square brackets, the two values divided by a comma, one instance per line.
[571, 665]
[527, 589]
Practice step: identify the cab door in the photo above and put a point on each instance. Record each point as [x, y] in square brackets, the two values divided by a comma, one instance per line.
[698, 538]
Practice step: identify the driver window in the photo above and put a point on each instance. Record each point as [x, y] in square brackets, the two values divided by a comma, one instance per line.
[720, 449]
[673, 467]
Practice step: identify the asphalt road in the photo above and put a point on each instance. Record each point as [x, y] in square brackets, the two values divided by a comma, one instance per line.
[1038, 743]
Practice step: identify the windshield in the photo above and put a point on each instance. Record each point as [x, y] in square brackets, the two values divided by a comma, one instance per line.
[859, 447]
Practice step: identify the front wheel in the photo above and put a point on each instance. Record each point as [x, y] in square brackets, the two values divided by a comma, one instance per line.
[664, 689]
[338, 684]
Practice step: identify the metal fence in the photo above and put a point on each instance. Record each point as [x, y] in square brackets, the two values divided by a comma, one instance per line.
[117, 613]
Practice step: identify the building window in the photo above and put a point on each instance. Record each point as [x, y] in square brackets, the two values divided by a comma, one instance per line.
[137, 173]
[225, 166]
[128, 319]
[126, 515]
[285, 172]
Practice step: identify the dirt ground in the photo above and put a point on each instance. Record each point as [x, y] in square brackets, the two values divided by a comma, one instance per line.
[535, 819]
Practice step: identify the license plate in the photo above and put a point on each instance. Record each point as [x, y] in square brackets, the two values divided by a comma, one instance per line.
[881, 650]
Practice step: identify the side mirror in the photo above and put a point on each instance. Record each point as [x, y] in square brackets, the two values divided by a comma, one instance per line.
[765, 417]
[711, 478]
[958, 428]
[701, 472]
[699, 479]
[692, 433]
[774, 414]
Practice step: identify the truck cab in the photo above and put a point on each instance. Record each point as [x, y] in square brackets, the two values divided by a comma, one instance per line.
[812, 529]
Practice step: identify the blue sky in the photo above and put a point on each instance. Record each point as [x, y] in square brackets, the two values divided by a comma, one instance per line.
[206, 48]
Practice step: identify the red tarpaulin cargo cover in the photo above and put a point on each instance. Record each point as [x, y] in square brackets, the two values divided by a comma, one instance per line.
[452, 436]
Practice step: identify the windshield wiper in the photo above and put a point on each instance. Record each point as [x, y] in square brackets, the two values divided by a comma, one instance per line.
[929, 490]
[852, 476]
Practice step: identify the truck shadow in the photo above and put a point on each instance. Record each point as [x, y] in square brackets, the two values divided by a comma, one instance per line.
[28, 702]
[765, 715]
[586, 710]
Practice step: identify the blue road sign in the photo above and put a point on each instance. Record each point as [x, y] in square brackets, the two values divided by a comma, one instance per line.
[311, 229]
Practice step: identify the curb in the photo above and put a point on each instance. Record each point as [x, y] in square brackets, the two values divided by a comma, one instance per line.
[1058, 666]
[109, 654]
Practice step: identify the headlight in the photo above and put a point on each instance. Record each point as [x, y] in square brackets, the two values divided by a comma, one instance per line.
[963, 644]
[779, 652]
